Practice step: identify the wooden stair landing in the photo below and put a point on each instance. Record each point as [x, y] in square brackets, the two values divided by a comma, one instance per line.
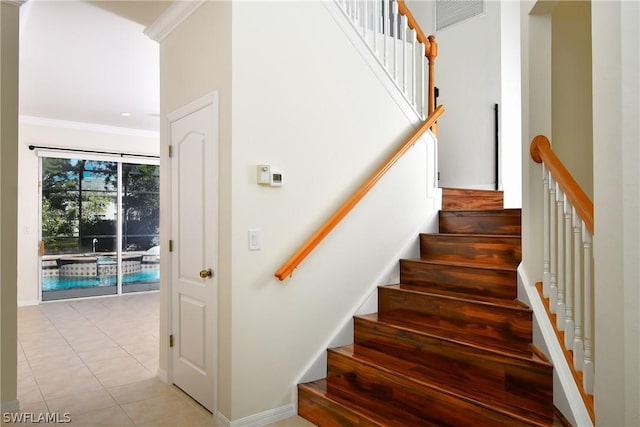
[450, 345]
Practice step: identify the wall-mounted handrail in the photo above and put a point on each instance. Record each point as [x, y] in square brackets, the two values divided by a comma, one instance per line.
[541, 153]
[310, 244]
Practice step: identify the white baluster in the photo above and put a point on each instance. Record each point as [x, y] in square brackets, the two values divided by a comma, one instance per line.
[365, 19]
[546, 239]
[423, 81]
[568, 275]
[394, 24]
[413, 37]
[376, 25]
[588, 369]
[553, 257]
[385, 31]
[578, 346]
[560, 312]
[403, 35]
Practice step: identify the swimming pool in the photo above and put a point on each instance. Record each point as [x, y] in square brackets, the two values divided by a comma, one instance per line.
[54, 283]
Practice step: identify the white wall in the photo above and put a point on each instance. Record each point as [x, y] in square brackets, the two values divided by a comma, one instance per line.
[55, 133]
[616, 108]
[304, 101]
[571, 100]
[468, 75]
[478, 65]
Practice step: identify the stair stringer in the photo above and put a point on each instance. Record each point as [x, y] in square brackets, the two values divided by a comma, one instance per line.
[566, 396]
[355, 37]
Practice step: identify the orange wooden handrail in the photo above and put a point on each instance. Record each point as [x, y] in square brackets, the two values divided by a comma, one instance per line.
[431, 52]
[541, 152]
[292, 263]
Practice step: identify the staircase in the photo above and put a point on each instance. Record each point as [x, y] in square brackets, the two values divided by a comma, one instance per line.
[451, 345]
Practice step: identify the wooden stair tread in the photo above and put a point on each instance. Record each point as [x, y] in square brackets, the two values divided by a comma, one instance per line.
[458, 338]
[501, 401]
[452, 263]
[391, 416]
[488, 301]
[470, 296]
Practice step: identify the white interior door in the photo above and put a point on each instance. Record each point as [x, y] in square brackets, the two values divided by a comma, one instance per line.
[194, 231]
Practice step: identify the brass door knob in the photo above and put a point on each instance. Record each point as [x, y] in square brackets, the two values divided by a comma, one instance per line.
[206, 273]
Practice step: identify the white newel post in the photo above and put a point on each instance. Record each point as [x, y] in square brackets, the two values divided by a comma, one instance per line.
[560, 311]
[578, 346]
[568, 274]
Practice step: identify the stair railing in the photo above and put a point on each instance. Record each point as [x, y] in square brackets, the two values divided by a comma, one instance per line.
[400, 46]
[568, 260]
[310, 244]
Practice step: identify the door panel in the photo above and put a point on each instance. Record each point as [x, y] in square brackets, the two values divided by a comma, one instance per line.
[194, 184]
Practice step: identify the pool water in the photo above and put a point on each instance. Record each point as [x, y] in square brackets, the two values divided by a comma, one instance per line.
[53, 283]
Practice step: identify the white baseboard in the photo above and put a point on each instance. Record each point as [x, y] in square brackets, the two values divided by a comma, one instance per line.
[9, 406]
[260, 419]
[28, 303]
[163, 376]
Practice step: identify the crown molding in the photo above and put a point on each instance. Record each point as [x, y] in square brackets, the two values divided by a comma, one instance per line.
[14, 2]
[89, 127]
[171, 18]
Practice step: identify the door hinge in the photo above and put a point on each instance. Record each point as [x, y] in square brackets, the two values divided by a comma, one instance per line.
[171, 151]
[171, 340]
[170, 245]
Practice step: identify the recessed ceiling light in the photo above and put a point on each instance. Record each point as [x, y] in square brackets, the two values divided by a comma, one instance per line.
[125, 114]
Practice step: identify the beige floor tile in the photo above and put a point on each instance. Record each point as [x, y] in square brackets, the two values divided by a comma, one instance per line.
[113, 365]
[113, 416]
[183, 420]
[157, 408]
[141, 390]
[292, 422]
[58, 386]
[81, 403]
[59, 349]
[28, 390]
[102, 354]
[125, 376]
[46, 366]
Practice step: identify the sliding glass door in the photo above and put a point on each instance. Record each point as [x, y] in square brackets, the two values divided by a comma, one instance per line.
[140, 227]
[100, 229]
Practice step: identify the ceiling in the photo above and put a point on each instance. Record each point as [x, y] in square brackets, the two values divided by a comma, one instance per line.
[89, 61]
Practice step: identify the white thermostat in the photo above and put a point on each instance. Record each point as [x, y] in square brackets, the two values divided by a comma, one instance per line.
[276, 178]
[268, 176]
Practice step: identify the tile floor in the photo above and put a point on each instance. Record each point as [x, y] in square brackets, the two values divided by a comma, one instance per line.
[97, 359]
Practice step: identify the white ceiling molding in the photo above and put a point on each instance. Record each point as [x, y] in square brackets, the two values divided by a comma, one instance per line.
[91, 127]
[14, 2]
[171, 18]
